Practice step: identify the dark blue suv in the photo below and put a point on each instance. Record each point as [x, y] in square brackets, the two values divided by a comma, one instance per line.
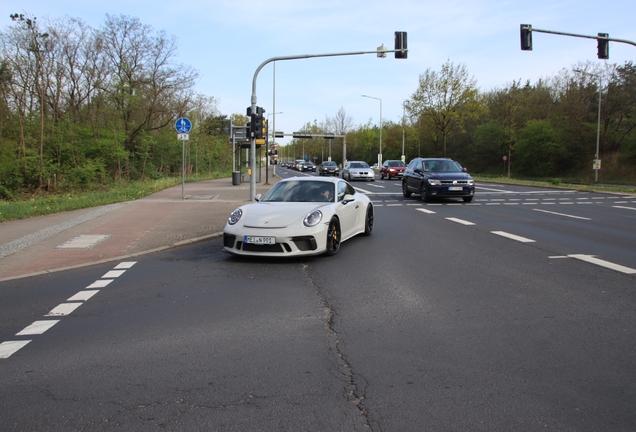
[437, 177]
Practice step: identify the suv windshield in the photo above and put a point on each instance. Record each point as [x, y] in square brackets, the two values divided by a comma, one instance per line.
[442, 166]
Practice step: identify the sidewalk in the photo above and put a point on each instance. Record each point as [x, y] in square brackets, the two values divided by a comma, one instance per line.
[79, 238]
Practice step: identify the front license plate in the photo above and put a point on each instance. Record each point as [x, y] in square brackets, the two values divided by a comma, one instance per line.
[455, 188]
[259, 240]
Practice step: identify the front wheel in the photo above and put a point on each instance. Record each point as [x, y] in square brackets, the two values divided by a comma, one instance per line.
[405, 190]
[368, 221]
[333, 238]
[423, 195]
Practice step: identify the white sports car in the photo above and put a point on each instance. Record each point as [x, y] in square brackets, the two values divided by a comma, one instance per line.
[299, 216]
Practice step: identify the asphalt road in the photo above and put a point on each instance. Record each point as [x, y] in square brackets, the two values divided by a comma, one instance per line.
[514, 312]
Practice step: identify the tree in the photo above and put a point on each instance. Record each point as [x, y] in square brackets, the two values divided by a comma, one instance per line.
[447, 98]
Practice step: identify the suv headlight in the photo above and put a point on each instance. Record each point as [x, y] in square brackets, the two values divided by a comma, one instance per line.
[313, 218]
[471, 182]
[235, 216]
[434, 182]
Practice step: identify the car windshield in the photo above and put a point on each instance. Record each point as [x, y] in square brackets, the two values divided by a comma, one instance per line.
[301, 191]
[442, 166]
[359, 165]
[331, 164]
[396, 164]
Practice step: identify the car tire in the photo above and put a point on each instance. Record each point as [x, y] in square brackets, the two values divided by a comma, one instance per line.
[368, 221]
[349, 176]
[467, 199]
[405, 190]
[381, 176]
[333, 237]
[423, 195]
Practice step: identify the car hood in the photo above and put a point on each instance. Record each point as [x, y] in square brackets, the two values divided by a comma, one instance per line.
[277, 214]
[450, 176]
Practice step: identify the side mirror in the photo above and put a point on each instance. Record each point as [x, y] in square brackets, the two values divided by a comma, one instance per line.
[348, 198]
[464, 169]
[258, 197]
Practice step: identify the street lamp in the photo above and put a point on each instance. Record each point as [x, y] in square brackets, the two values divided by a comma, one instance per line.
[597, 161]
[267, 150]
[380, 155]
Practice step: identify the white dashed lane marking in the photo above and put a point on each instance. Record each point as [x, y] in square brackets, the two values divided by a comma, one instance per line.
[38, 327]
[513, 236]
[8, 348]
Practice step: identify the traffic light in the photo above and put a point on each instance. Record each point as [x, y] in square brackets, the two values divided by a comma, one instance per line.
[603, 46]
[526, 37]
[264, 129]
[256, 122]
[400, 44]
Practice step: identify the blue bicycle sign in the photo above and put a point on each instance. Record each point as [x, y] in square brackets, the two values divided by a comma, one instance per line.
[183, 125]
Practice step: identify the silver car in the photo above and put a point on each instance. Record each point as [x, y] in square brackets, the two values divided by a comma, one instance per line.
[358, 170]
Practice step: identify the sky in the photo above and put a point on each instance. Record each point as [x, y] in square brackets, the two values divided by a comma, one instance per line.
[227, 40]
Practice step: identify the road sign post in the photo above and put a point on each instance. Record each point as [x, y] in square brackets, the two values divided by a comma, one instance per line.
[183, 126]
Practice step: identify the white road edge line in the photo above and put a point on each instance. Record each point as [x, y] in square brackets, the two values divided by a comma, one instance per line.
[599, 262]
[513, 237]
[623, 207]
[562, 214]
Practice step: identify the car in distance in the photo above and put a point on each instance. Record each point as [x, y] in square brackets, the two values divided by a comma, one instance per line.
[328, 168]
[358, 170]
[299, 216]
[307, 166]
[392, 168]
[437, 177]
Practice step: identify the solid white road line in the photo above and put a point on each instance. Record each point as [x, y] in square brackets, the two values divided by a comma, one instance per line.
[622, 207]
[10, 347]
[562, 214]
[513, 237]
[459, 221]
[591, 259]
[38, 327]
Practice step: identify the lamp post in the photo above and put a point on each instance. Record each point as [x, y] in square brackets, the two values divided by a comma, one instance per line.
[267, 150]
[380, 155]
[597, 161]
[403, 131]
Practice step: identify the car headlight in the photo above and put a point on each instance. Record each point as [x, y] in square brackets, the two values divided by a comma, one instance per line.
[471, 182]
[235, 216]
[313, 218]
[434, 182]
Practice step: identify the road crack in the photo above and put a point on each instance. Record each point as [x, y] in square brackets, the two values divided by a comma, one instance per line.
[354, 385]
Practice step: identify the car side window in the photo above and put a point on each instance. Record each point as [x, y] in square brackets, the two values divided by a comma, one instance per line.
[342, 190]
[418, 165]
[412, 164]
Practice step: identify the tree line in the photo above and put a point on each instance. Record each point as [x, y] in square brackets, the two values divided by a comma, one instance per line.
[545, 130]
[81, 106]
